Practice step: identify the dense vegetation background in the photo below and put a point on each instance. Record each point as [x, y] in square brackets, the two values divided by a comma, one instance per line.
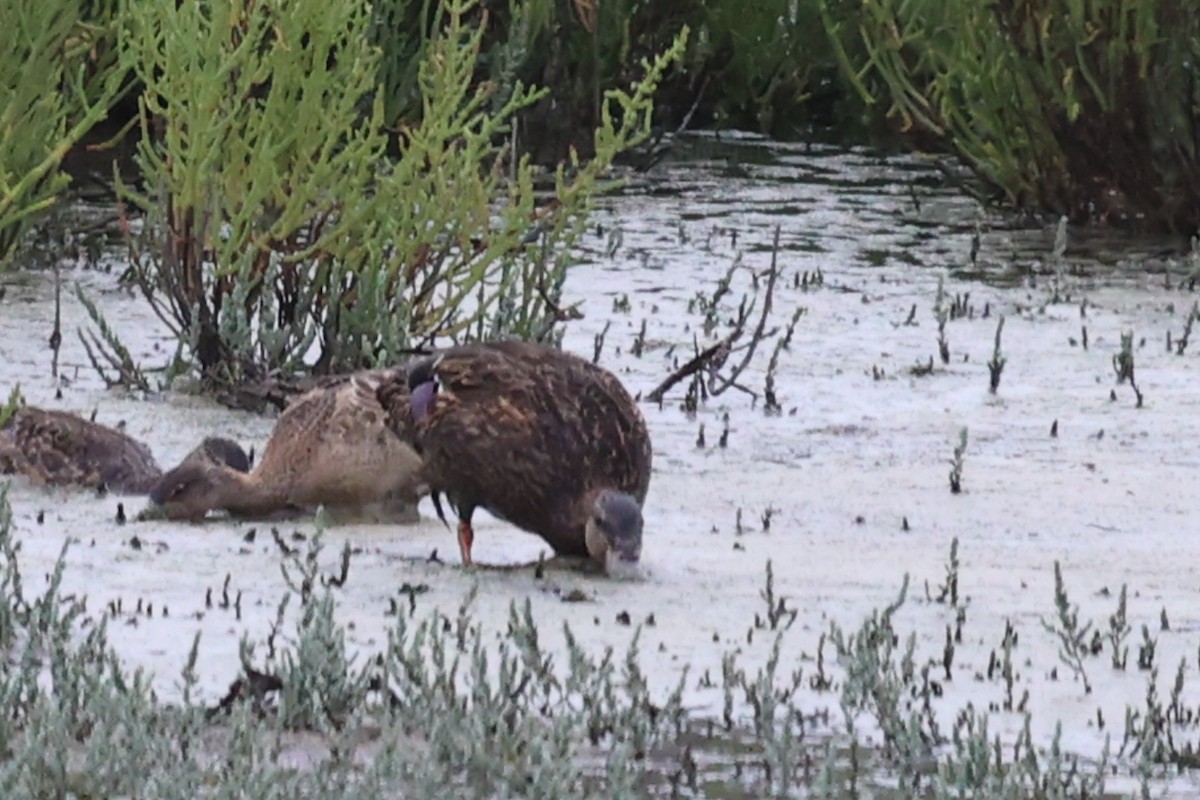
[356, 179]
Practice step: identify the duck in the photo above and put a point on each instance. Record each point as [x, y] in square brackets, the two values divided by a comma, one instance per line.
[61, 448]
[540, 438]
[331, 447]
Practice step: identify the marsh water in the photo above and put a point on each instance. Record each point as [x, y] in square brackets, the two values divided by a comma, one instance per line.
[843, 489]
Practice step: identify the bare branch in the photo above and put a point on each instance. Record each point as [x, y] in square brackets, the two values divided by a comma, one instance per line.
[760, 330]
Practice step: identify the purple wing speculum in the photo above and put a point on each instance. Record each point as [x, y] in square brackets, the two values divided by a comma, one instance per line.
[420, 399]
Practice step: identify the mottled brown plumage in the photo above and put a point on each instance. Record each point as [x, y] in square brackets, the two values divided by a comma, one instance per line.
[330, 447]
[540, 438]
[59, 448]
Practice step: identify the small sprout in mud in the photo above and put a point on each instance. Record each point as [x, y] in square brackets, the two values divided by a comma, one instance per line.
[1118, 630]
[912, 316]
[942, 315]
[41, 517]
[956, 463]
[1123, 365]
[916, 201]
[691, 400]
[410, 591]
[996, 364]
[56, 334]
[1146, 650]
[1005, 664]
[1182, 343]
[120, 513]
[616, 238]
[948, 655]
[283, 546]
[135, 542]
[639, 341]
[949, 590]
[1163, 623]
[904, 524]
[738, 529]
[1054, 429]
[960, 306]
[343, 572]
[919, 370]
[1071, 633]
[724, 440]
[598, 342]
[820, 682]
[623, 618]
[700, 436]
[813, 279]
[877, 373]
[767, 515]
[987, 310]
[771, 406]
[779, 615]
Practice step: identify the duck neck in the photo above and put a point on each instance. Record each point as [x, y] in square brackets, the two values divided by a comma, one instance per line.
[243, 493]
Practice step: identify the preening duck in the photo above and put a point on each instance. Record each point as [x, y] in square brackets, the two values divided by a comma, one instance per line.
[541, 438]
[60, 448]
[330, 447]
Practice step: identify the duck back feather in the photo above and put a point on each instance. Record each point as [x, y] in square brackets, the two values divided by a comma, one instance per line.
[59, 448]
[525, 431]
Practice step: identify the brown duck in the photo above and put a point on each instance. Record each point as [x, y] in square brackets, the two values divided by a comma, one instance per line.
[330, 447]
[540, 438]
[59, 448]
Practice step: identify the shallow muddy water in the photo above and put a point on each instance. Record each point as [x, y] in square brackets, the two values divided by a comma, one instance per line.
[852, 474]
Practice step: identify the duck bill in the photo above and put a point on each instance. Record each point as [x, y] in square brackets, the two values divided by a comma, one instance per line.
[625, 566]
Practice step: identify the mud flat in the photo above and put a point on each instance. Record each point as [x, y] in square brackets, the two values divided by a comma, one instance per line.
[843, 491]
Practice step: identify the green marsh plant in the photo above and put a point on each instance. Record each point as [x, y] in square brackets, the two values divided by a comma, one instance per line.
[58, 83]
[279, 236]
[1082, 109]
[1072, 633]
[446, 706]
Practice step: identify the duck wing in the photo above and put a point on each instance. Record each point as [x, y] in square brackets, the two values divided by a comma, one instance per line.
[334, 444]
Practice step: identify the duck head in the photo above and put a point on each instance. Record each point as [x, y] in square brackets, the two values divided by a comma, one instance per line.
[613, 533]
[212, 473]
